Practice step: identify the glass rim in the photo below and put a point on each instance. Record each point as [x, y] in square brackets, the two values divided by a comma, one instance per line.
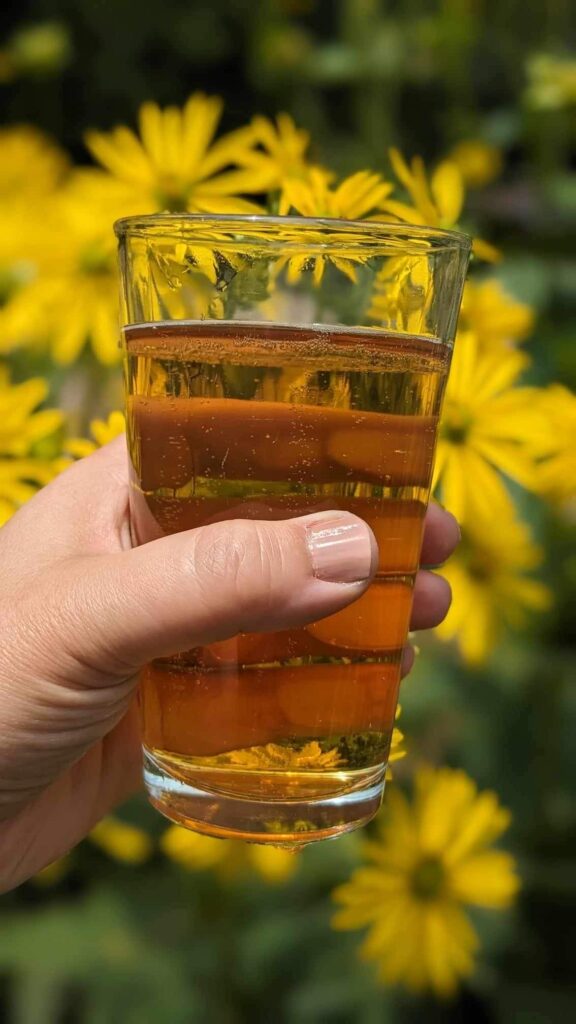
[374, 232]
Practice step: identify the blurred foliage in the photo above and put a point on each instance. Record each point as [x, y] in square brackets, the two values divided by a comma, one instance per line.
[131, 927]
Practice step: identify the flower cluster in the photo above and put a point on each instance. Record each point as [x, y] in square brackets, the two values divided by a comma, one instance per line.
[58, 285]
[57, 268]
[500, 436]
[27, 440]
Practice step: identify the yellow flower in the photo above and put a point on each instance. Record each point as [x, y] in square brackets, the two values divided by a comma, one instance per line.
[551, 82]
[487, 427]
[309, 757]
[281, 152]
[175, 164]
[432, 857]
[271, 863]
[397, 748]
[31, 169]
[191, 850]
[102, 432]
[479, 162]
[355, 198]
[496, 318]
[123, 842]
[183, 280]
[26, 441]
[31, 165]
[436, 203]
[230, 858]
[402, 293]
[74, 297]
[273, 757]
[556, 473]
[20, 324]
[490, 588]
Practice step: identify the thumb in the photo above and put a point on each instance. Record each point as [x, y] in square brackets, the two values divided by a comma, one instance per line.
[73, 641]
[120, 611]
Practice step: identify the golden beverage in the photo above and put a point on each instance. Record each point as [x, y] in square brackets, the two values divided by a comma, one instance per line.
[262, 421]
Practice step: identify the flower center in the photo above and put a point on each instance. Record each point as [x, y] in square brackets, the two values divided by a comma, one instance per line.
[7, 285]
[171, 195]
[95, 259]
[480, 568]
[478, 562]
[11, 278]
[428, 879]
[455, 426]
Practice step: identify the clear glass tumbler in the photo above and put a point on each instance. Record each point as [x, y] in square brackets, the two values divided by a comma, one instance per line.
[277, 367]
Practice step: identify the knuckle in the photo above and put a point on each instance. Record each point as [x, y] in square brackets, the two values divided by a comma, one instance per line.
[221, 552]
[244, 556]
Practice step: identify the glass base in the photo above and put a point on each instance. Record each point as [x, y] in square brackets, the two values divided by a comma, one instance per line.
[290, 824]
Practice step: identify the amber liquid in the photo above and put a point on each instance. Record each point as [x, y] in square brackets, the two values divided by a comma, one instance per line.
[259, 421]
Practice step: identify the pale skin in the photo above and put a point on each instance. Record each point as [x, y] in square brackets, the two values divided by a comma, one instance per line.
[82, 611]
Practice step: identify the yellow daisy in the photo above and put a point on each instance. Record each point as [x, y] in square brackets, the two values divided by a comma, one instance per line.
[496, 318]
[121, 841]
[355, 198]
[479, 162]
[280, 153]
[431, 858]
[229, 858]
[402, 294]
[74, 297]
[26, 441]
[103, 431]
[19, 322]
[491, 590]
[274, 757]
[314, 195]
[175, 164]
[32, 166]
[436, 203]
[556, 472]
[487, 428]
[182, 280]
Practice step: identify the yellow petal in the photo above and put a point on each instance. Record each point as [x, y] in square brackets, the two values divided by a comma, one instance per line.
[487, 880]
[403, 211]
[448, 192]
[485, 251]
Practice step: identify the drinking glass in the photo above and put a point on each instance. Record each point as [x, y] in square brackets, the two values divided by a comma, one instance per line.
[276, 367]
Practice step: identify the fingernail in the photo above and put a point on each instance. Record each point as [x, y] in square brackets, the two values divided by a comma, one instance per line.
[342, 548]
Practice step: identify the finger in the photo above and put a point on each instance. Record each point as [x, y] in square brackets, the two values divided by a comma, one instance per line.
[432, 598]
[441, 536]
[119, 611]
[78, 639]
[61, 814]
[407, 662]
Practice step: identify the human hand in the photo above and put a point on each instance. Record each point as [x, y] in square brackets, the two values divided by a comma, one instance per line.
[82, 611]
